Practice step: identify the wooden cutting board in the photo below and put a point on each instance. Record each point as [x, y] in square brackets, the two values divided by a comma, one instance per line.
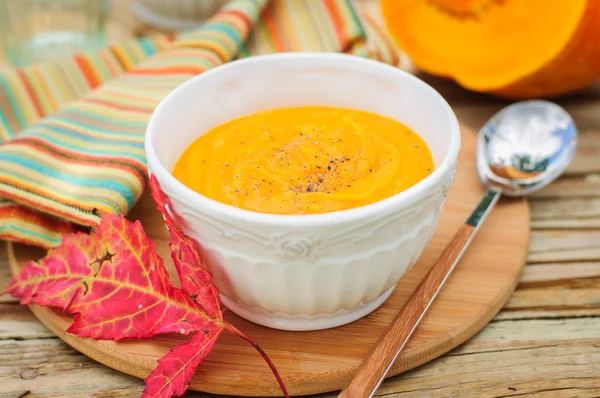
[321, 361]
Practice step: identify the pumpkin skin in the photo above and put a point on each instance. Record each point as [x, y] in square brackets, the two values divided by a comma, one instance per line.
[514, 49]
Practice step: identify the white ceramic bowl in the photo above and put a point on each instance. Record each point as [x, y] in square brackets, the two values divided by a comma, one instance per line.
[306, 272]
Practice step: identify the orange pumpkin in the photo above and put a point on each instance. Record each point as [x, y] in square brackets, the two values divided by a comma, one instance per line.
[509, 48]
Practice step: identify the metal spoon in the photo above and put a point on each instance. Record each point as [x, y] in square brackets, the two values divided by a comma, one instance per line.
[520, 149]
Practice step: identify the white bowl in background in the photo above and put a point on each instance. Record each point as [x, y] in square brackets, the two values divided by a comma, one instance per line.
[305, 272]
[176, 14]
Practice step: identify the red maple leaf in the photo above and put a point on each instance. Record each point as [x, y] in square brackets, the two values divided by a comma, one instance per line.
[179, 365]
[118, 287]
[115, 283]
[195, 278]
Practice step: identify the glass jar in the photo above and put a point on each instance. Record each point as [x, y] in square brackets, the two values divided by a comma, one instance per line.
[40, 30]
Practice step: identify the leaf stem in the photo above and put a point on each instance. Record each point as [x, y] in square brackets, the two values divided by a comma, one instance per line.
[236, 331]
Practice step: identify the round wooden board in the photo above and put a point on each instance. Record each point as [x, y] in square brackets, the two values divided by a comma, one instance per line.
[321, 361]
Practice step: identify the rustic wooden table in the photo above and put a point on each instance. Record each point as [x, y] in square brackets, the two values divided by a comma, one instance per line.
[545, 342]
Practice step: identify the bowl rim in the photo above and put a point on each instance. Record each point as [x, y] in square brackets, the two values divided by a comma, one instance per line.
[385, 206]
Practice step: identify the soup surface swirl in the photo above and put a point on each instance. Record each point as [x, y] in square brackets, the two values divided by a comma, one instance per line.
[305, 160]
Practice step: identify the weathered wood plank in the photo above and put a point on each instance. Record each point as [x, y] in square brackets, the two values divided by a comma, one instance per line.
[5, 275]
[17, 322]
[49, 368]
[577, 187]
[563, 245]
[568, 213]
[127, 392]
[8, 299]
[511, 358]
[569, 223]
[559, 274]
[556, 298]
[586, 159]
[584, 108]
[530, 356]
[519, 334]
[547, 313]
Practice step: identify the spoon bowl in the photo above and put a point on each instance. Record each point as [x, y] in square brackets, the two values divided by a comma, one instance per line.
[525, 146]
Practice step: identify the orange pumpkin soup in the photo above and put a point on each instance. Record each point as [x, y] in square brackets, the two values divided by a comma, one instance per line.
[305, 160]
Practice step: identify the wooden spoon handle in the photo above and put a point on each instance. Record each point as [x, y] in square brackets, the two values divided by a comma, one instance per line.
[373, 369]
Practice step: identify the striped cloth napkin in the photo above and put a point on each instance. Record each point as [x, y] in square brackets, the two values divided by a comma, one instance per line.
[72, 131]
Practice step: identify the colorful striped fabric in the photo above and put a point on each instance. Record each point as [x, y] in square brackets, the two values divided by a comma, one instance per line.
[36, 91]
[322, 26]
[33, 92]
[88, 158]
